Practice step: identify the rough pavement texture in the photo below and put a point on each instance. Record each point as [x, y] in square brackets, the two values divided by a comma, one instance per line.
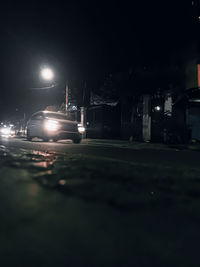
[77, 210]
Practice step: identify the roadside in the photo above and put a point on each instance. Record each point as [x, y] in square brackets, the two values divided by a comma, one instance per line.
[134, 144]
[141, 145]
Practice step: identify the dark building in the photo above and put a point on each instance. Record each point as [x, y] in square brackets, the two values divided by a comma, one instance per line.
[103, 121]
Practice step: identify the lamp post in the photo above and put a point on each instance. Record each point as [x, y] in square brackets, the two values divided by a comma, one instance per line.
[48, 75]
[66, 97]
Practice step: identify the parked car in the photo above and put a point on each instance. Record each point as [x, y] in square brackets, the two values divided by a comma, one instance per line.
[53, 125]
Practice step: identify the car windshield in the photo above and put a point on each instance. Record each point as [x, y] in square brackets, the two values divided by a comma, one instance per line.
[56, 116]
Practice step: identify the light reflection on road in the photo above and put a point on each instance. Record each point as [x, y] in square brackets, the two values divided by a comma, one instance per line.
[33, 190]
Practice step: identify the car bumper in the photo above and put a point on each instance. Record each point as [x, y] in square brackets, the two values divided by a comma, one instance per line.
[63, 135]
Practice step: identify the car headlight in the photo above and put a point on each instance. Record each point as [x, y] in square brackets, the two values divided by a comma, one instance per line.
[5, 131]
[81, 129]
[12, 132]
[51, 125]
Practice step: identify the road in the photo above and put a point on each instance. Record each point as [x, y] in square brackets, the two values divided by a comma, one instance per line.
[98, 205]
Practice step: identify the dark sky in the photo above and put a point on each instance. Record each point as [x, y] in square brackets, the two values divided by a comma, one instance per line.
[84, 39]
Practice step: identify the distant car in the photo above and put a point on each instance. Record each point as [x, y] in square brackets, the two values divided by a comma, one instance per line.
[7, 130]
[53, 125]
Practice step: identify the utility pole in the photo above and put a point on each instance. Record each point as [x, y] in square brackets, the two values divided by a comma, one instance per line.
[146, 119]
[66, 98]
[83, 109]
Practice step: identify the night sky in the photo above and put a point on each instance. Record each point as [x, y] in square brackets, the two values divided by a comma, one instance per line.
[84, 40]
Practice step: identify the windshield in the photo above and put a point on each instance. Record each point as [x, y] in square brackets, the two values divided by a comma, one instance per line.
[56, 116]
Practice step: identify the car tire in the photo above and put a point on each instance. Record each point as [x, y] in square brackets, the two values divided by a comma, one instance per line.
[76, 140]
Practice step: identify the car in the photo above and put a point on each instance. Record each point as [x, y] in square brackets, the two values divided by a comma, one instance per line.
[53, 125]
[7, 130]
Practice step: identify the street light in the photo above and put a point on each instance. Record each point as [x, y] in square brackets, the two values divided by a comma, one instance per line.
[47, 74]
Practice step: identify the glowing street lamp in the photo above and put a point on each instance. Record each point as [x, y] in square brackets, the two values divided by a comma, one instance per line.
[47, 74]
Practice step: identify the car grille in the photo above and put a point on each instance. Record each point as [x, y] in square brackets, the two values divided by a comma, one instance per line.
[69, 127]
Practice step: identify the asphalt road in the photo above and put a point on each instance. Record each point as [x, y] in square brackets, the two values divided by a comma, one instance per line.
[64, 204]
[172, 157]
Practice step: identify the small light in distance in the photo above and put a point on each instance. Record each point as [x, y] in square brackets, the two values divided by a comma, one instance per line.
[157, 108]
[5, 131]
[62, 182]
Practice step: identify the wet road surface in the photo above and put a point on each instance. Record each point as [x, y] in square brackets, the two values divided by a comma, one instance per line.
[88, 205]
